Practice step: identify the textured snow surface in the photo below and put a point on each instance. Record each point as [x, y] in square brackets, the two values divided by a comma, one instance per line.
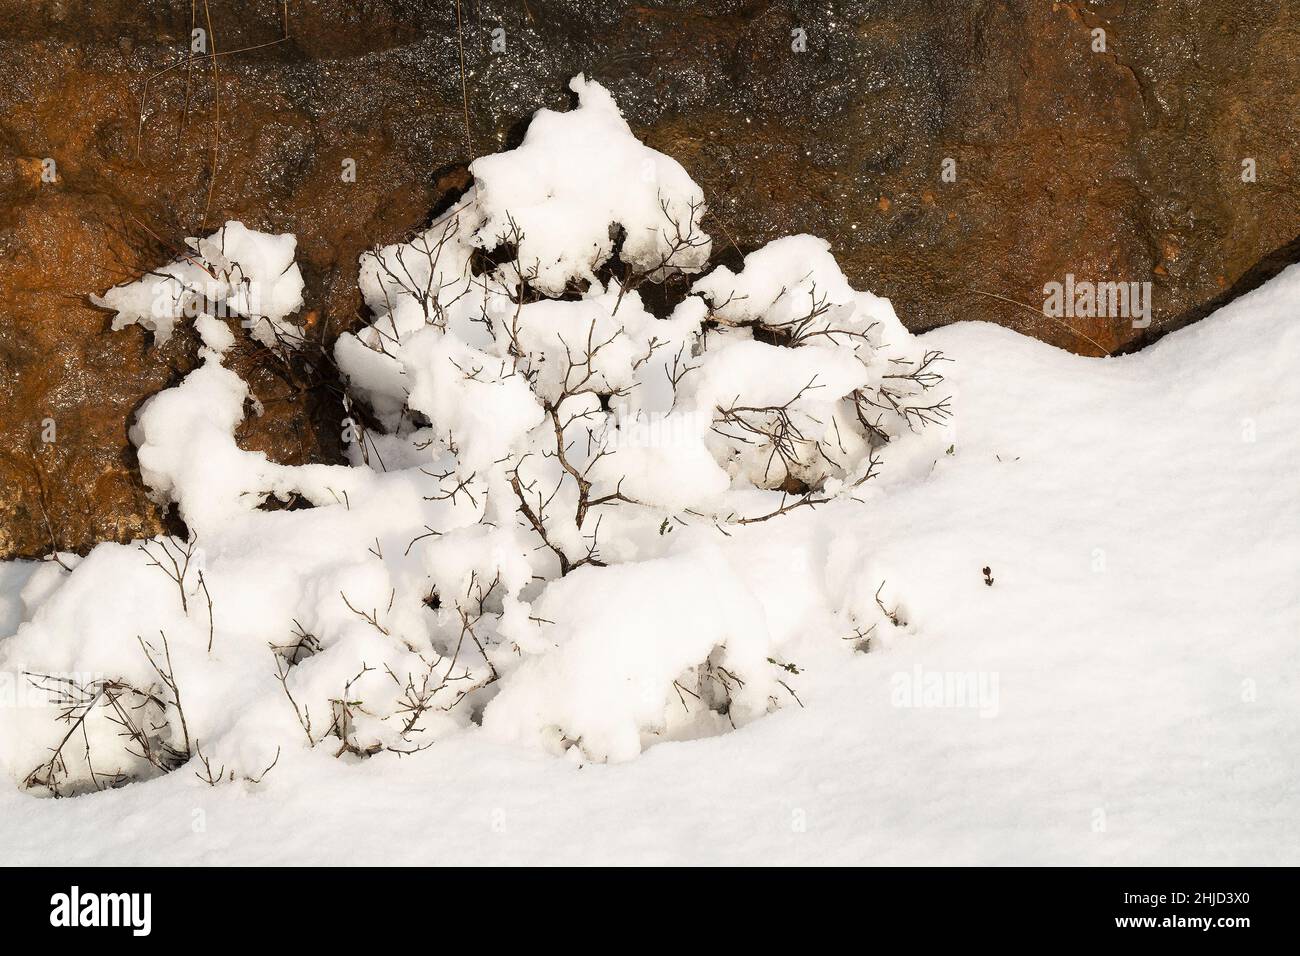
[1137, 655]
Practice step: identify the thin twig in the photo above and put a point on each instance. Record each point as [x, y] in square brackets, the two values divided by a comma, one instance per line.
[1038, 312]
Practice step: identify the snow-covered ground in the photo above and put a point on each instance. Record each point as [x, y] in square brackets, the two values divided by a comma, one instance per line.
[1135, 661]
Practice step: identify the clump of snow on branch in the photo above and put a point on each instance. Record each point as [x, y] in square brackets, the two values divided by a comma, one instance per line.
[525, 537]
[577, 182]
[817, 377]
[235, 272]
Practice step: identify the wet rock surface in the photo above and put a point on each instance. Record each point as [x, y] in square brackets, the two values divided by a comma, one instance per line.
[1120, 165]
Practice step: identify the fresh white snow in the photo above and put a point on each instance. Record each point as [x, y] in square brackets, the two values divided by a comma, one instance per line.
[1144, 552]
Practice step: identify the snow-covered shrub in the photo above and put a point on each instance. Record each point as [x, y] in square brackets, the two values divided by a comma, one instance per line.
[820, 377]
[539, 467]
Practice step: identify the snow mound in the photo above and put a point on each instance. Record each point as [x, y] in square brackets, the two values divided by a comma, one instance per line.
[615, 680]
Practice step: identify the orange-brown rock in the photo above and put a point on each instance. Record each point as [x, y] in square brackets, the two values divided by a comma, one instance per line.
[1114, 162]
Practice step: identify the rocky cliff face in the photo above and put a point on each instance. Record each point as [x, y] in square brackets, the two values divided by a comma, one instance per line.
[950, 151]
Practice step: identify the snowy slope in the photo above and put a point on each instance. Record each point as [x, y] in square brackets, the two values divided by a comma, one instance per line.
[1138, 653]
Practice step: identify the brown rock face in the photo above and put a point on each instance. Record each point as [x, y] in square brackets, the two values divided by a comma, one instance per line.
[1118, 156]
